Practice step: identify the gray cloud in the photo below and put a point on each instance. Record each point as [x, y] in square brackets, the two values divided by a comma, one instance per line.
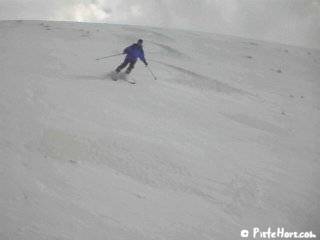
[294, 22]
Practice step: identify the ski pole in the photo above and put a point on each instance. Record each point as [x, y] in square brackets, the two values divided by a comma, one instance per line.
[154, 77]
[118, 54]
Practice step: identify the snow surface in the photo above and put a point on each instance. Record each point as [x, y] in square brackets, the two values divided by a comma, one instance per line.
[226, 139]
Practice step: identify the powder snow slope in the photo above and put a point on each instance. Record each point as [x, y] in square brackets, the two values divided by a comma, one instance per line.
[226, 139]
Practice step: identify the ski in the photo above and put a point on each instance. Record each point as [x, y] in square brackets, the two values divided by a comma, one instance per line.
[121, 76]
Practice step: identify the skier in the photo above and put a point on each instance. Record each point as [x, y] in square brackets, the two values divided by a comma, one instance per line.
[133, 52]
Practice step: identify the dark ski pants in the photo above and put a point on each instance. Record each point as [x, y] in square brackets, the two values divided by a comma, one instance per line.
[125, 63]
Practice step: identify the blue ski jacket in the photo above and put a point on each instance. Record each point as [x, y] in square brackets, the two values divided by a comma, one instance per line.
[134, 52]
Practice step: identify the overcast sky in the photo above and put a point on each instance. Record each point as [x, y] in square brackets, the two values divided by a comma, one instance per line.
[294, 22]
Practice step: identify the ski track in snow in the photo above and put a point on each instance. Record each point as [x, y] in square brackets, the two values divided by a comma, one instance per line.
[226, 139]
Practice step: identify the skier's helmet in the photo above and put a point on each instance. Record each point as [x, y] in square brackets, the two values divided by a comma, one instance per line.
[140, 41]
